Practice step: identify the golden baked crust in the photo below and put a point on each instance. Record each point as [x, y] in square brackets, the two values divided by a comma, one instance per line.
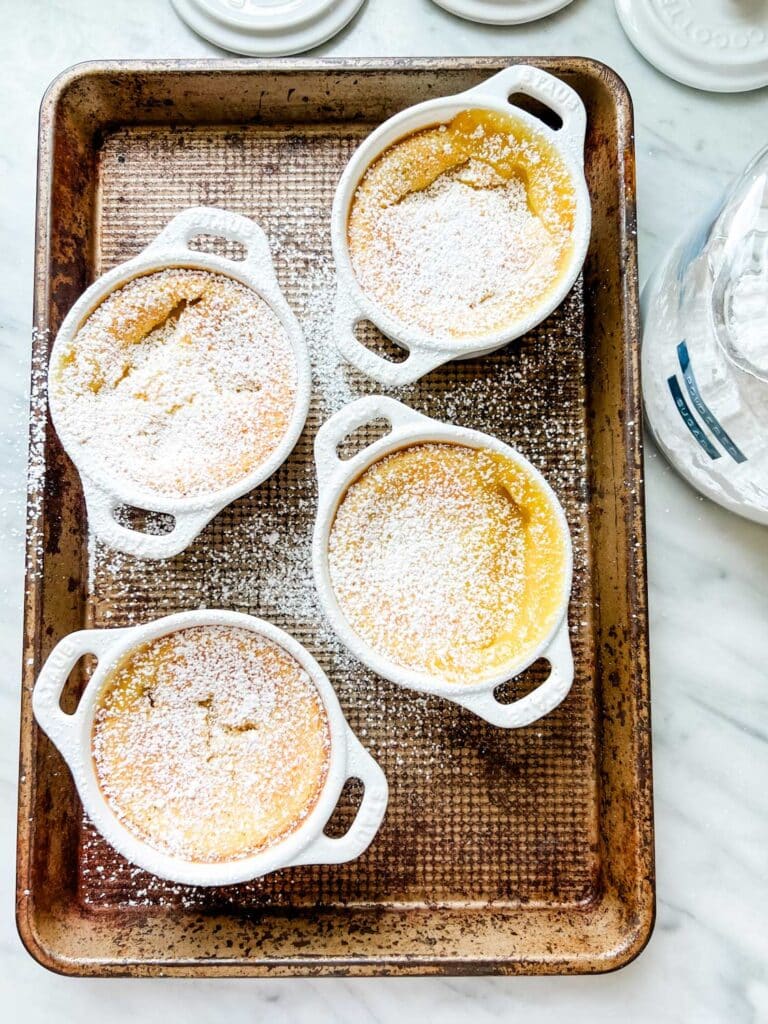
[448, 560]
[211, 743]
[464, 228]
[181, 381]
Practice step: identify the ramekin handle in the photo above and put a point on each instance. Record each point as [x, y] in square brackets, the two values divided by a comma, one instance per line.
[347, 420]
[383, 371]
[550, 90]
[540, 701]
[210, 220]
[102, 505]
[357, 839]
[60, 727]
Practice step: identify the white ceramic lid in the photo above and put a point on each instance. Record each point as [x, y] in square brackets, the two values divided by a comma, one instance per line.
[717, 45]
[267, 28]
[503, 12]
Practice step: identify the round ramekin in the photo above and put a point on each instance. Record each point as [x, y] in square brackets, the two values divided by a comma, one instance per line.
[72, 735]
[353, 305]
[104, 490]
[334, 476]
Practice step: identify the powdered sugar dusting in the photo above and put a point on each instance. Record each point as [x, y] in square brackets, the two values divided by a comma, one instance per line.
[446, 560]
[182, 382]
[463, 229]
[211, 743]
[459, 256]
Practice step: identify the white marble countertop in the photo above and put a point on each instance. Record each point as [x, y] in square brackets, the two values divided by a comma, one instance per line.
[707, 961]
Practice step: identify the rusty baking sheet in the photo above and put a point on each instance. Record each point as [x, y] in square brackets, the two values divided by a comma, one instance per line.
[526, 851]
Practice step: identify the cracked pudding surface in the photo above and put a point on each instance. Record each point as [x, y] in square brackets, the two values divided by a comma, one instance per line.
[464, 228]
[181, 381]
[211, 743]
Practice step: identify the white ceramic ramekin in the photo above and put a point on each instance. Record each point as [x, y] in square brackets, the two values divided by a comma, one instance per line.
[71, 734]
[353, 305]
[334, 476]
[106, 491]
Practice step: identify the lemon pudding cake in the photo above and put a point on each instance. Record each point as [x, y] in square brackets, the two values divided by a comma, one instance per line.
[182, 382]
[448, 560]
[211, 743]
[464, 228]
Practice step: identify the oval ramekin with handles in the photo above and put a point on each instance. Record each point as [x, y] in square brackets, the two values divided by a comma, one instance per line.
[334, 476]
[353, 305]
[71, 734]
[106, 491]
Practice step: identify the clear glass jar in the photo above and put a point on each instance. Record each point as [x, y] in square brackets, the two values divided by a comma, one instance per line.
[705, 350]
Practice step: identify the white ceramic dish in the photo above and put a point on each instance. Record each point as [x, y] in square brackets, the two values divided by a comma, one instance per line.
[353, 305]
[260, 28]
[104, 491]
[503, 12]
[717, 45]
[334, 476]
[71, 734]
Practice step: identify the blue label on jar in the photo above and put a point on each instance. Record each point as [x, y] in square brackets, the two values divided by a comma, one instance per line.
[703, 409]
[689, 419]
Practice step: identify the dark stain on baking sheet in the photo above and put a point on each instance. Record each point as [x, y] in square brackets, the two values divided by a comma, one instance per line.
[523, 851]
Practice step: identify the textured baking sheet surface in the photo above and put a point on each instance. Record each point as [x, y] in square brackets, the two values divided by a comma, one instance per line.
[477, 815]
[502, 852]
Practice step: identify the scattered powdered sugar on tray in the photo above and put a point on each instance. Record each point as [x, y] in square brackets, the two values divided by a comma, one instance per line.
[36, 456]
[181, 381]
[211, 743]
[331, 374]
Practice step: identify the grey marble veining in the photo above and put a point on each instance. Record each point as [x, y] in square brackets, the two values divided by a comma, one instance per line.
[708, 576]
